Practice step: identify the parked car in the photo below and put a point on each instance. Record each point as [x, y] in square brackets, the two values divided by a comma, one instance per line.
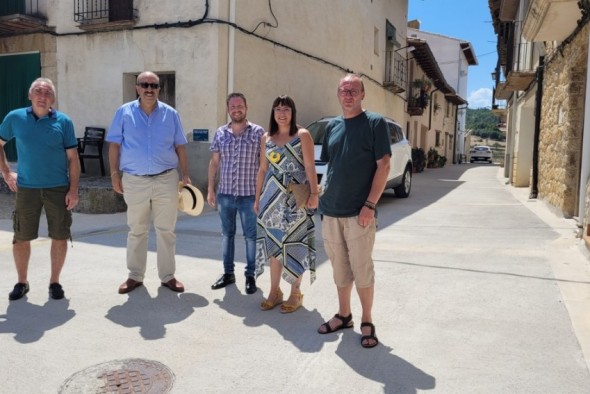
[400, 173]
[481, 152]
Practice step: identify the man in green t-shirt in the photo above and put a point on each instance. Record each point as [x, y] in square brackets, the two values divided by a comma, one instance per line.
[357, 149]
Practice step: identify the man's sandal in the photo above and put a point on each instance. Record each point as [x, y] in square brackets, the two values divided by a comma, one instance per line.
[369, 337]
[345, 322]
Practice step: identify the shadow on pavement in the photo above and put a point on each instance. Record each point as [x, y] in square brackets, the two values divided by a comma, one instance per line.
[379, 364]
[29, 322]
[152, 315]
[289, 326]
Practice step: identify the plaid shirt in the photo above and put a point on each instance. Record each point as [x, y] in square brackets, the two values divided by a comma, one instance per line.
[239, 159]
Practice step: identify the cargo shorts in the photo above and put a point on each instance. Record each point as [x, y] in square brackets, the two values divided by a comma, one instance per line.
[349, 247]
[27, 214]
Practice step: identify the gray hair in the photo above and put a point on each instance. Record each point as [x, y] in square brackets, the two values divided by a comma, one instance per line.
[47, 81]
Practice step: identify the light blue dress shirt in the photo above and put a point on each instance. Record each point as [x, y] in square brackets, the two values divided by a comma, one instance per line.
[147, 142]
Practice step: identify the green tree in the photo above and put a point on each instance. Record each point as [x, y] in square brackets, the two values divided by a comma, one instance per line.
[483, 123]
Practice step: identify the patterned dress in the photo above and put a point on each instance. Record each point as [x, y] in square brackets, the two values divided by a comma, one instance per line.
[283, 230]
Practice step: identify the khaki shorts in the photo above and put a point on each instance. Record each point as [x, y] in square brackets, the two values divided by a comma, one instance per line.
[27, 214]
[349, 247]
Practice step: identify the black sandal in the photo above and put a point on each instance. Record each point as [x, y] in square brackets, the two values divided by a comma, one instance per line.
[369, 337]
[345, 322]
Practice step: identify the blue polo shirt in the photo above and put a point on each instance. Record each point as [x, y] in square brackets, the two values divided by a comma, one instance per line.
[41, 145]
[147, 142]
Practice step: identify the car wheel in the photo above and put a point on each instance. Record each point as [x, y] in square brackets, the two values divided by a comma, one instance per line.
[403, 190]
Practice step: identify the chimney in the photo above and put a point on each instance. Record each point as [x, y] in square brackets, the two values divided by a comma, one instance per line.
[414, 24]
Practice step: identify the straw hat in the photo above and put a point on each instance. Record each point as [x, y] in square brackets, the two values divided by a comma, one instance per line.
[190, 199]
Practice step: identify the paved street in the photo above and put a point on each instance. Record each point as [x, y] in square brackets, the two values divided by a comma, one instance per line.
[479, 290]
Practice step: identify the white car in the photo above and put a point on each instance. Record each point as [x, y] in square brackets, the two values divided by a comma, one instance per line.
[400, 173]
[481, 152]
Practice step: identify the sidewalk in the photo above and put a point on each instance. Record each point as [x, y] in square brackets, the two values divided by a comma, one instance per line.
[478, 291]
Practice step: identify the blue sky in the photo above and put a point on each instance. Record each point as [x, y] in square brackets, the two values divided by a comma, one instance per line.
[469, 20]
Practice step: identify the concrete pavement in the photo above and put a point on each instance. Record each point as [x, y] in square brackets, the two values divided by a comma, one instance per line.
[478, 291]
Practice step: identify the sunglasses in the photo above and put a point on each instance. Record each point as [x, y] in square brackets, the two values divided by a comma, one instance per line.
[145, 85]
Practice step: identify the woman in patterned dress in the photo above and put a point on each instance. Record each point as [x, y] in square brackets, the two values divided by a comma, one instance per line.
[285, 233]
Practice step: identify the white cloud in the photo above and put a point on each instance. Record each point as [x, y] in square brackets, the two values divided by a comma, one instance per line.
[481, 98]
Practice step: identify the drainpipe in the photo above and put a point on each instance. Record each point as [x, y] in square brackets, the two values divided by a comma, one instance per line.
[231, 47]
[431, 108]
[585, 164]
[538, 99]
[456, 132]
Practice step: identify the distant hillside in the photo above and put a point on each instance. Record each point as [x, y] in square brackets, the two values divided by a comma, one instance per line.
[483, 123]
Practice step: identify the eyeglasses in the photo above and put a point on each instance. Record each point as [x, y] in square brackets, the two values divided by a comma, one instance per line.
[281, 109]
[348, 92]
[145, 85]
[43, 92]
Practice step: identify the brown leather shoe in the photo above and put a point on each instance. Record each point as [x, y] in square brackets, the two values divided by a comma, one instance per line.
[129, 285]
[174, 285]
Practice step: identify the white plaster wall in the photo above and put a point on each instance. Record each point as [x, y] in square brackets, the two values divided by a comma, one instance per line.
[61, 13]
[91, 69]
[523, 149]
[174, 11]
[335, 31]
[447, 52]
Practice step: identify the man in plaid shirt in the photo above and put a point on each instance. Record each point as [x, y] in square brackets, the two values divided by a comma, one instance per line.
[235, 155]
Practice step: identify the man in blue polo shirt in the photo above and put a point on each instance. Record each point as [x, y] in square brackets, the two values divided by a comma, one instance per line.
[147, 144]
[48, 177]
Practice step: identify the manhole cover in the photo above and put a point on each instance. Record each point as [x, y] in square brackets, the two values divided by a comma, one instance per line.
[121, 376]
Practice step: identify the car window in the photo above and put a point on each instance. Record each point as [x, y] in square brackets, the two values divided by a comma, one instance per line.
[318, 131]
[393, 133]
[400, 135]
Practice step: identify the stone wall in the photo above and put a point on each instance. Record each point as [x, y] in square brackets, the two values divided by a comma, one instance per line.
[586, 225]
[46, 44]
[562, 123]
[98, 196]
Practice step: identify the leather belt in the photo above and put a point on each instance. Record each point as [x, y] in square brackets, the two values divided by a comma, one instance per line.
[158, 174]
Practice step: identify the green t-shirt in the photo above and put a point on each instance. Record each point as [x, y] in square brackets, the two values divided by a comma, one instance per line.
[351, 148]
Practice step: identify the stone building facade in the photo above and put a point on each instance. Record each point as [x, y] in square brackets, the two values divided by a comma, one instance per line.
[562, 123]
[551, 129]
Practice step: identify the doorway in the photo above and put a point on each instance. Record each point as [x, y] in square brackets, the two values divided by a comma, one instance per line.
[17, 72]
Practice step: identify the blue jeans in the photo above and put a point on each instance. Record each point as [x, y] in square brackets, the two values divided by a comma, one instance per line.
[229, 206]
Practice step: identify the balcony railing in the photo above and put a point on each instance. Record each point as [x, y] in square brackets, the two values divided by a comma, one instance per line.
[520, 69]
[520, 58]
[23, 7]
[395, 72]
[89, 12]
[20, 16]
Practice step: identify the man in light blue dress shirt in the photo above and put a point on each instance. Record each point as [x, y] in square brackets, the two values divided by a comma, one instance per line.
[147, 145]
